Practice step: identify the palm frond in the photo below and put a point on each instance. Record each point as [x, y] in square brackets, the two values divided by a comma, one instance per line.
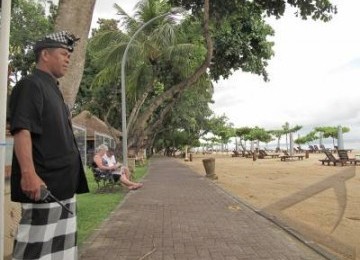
[106, 38]
[164, 35]
[148, 9]
[106, 76]
[184, 57]
[138, 78]
[127, 21]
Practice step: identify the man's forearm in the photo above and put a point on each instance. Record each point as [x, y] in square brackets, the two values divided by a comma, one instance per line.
[30, 181]
[23, 152]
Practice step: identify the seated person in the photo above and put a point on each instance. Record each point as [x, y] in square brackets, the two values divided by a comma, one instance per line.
[110, 160]
[123, 172]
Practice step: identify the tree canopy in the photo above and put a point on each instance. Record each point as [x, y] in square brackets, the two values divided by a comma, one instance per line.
[168, 57]
[25, 16]
[240, 31]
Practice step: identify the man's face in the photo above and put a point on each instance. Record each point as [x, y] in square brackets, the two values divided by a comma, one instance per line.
[57, 61]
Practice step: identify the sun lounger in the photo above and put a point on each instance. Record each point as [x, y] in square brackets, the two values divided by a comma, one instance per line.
[247, 154]
[322, 147]
[330, 158]
[263, 154]
[287, 156]
[316, 149]
[343, 155]
[311, 149]
[236, 154]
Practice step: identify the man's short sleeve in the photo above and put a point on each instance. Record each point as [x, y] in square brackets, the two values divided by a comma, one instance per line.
[26, 104]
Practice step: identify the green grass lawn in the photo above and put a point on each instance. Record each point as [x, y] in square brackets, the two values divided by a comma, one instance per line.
[94, 208]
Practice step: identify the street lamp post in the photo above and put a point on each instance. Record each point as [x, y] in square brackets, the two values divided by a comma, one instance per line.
[123, 88]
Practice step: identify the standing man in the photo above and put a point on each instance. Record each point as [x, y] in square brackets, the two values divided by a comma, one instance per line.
[45, 156]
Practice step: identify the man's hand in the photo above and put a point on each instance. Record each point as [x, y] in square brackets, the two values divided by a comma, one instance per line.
[31, 184]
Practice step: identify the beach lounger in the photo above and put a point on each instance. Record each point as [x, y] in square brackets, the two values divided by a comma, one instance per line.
[317, 149]
[247, 154]
[343, 155]
[236, 154]
[330, 158]
[263, 154]
[311, 149]
[322, 147]
[287, 156]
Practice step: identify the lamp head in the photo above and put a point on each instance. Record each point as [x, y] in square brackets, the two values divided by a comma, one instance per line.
[177, 10]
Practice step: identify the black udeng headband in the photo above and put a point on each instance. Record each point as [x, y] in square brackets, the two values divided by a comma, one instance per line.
[61, 39]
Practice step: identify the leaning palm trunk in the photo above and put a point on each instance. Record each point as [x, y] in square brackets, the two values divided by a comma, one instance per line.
[136, 109]
[137, 130]
[74, 16]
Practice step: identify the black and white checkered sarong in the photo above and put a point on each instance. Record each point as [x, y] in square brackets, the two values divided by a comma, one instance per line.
[46, 231]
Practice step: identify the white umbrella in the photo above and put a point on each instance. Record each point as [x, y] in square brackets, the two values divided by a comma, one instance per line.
[320, 139]
[291, 144]
[340, 140]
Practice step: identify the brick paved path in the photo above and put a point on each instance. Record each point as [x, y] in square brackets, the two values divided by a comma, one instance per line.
[181, 215]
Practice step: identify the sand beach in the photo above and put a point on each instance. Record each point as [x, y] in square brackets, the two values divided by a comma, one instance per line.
[320, 203]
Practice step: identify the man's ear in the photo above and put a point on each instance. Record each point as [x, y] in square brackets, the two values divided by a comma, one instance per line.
[42, 55]
[45, 54]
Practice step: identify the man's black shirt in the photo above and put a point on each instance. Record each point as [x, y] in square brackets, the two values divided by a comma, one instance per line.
[37, 105]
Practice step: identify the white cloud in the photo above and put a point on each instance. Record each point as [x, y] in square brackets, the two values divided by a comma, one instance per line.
[105, 9]
[314, 77]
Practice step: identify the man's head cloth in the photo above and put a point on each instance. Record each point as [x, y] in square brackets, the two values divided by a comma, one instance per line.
[61, 39]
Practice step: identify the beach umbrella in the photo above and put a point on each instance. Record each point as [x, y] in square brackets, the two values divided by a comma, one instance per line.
[291, 144]
[321, 139]
[340, 140]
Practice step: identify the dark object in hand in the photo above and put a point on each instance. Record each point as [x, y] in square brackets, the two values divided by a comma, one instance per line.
[46, 196]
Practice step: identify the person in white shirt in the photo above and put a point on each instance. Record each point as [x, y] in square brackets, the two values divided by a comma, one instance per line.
[109, 157]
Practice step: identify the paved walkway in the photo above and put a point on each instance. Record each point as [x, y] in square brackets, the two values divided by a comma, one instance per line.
[181, 215]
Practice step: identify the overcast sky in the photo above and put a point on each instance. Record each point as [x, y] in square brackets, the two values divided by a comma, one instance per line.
[314, 75]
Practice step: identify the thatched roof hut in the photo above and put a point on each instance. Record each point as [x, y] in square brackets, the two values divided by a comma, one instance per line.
[93, 124]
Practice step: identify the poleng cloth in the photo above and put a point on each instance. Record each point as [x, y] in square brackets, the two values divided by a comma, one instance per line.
[46, 232]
